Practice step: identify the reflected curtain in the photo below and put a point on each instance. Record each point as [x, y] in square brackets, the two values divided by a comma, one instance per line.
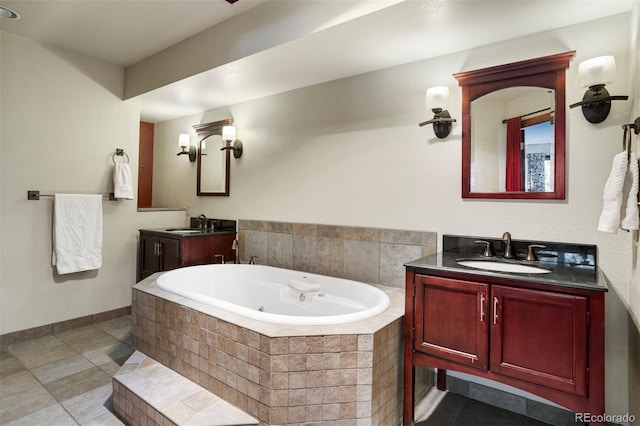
[513, 178]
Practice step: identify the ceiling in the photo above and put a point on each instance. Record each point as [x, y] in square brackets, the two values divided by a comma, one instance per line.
[368, 35]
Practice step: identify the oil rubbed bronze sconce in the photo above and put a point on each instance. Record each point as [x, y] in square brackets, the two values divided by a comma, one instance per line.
[437, 99]
[594, 74]
[184, 141]
[229, 136]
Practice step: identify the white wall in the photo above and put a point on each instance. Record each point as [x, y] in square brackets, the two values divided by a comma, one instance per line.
[350, 152]
[62, 119]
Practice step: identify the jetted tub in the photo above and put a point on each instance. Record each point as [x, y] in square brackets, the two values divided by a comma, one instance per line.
[276, 295]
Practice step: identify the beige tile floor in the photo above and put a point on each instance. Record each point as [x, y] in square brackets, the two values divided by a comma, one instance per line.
[64, 379]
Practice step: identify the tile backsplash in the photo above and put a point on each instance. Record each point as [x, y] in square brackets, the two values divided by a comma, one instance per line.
[371, 255]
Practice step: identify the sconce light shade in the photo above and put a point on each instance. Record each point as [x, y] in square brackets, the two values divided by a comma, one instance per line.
[437, 99]
[229, 135]
[184, 141]
[594, 74]
[600, 70]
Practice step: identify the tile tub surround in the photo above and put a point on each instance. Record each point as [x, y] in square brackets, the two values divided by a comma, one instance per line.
[370, 255]
[347, 374]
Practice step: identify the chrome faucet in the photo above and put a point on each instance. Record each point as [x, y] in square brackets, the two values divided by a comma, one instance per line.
[508, 253]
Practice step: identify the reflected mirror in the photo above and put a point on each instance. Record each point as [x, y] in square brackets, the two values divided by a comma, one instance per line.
[513, 129]
[213, 164]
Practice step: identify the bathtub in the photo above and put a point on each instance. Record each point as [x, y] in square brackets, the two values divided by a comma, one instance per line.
[276, 295]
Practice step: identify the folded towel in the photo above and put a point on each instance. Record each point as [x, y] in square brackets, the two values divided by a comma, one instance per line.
[122, 181]
[630, 213]
[612, 196]
[77, 232]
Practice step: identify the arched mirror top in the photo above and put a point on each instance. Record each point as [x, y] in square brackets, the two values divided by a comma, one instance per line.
[490, 168]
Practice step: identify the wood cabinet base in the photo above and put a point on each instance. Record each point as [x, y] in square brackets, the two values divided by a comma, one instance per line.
[545, 340]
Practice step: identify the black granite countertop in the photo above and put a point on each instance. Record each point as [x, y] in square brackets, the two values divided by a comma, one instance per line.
[570, 265]
[186, 232]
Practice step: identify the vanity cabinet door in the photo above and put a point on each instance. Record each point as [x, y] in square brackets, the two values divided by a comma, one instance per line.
[540, 337]
[170, 253]
[451, 318]
[148, 258]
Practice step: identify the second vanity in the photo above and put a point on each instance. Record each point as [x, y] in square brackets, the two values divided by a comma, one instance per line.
[171, 248]
[541, 331]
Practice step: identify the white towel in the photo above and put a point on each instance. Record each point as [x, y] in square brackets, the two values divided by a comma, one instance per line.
[630, 213]
[122, 181]
[620, 197]
[77, 232]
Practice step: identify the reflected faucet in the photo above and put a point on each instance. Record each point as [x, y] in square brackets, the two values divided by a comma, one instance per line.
[508, 253]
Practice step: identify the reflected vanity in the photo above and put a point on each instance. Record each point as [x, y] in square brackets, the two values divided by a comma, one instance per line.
[513, 129]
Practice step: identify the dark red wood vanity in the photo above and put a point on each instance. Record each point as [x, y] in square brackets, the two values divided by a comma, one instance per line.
[542, 333]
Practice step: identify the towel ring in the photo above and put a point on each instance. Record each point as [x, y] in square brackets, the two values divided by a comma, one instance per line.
[120, 152]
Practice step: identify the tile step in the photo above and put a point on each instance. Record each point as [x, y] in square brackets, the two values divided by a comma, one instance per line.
[147, 392]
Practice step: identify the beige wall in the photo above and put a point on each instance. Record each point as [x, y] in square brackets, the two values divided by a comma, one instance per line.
[62, 119]
[350, 152]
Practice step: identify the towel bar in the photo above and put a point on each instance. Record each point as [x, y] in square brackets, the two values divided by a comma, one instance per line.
[33, 195]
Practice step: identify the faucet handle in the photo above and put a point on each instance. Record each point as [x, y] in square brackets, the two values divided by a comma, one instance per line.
[252, 261]
[221, 256]
[531, 255]
[487, 250]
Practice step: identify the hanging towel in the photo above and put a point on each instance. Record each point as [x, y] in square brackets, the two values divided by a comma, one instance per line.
[612, 196]
[122, 181]
[77, 232]
[630, 213]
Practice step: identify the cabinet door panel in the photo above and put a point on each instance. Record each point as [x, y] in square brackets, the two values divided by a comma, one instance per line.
[451, 320]
[540, 337]
[170, 253]
[149, 259]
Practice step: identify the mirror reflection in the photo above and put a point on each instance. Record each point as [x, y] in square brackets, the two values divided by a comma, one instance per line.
[512, 141]
[213, 167]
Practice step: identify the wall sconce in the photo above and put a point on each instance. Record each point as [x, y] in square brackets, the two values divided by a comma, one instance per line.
[229, 135]
[184, 141]
[595, 73]
[437, 99]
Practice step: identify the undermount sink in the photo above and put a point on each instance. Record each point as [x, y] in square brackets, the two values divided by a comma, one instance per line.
[183, 230]
[497, 266]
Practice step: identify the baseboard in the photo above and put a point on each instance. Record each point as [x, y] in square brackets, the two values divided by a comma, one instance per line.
[45, 330]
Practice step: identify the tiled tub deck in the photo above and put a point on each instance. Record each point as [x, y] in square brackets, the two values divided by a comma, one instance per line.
[340, 374]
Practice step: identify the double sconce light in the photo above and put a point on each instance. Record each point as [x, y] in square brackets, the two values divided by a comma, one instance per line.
[437, 99]
[228, 134]
[595, 74]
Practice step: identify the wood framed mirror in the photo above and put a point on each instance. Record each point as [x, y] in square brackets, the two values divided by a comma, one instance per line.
[213, 164]
[513, 129]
